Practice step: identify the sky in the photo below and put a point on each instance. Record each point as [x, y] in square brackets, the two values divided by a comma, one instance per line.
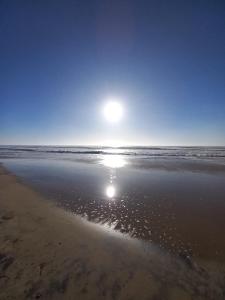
[164, 61]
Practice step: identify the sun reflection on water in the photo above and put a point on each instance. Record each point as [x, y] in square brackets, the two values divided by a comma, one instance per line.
[114, 161]
[110, 191]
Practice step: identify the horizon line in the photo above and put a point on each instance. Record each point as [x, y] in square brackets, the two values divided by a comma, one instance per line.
[107, 146]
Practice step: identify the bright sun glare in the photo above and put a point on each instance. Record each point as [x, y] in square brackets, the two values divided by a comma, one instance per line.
[113, 111]
[114, 161]
[110, 191]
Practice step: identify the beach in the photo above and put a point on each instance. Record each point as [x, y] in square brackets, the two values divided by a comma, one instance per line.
[58, 240]
[50, 254]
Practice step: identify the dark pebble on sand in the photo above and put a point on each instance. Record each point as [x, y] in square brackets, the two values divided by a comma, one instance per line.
[8, 216]
[5, 261]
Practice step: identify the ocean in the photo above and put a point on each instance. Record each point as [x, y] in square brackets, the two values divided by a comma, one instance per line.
[198, 152]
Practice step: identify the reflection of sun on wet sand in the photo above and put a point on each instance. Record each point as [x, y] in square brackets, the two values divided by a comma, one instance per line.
[46, 253]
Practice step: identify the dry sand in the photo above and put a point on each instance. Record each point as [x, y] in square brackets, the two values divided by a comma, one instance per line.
[47, 253]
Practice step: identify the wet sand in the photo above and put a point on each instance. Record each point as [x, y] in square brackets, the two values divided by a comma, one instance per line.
[47, 253]
[177, 204]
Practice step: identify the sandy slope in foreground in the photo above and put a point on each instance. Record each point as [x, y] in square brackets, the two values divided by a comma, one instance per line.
[46, 253]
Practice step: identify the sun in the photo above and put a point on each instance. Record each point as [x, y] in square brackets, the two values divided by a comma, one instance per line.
[113, 111]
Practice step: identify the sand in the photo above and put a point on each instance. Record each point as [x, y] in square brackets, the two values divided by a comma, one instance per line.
[47, 253]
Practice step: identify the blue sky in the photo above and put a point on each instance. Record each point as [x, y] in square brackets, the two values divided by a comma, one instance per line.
[61, 60]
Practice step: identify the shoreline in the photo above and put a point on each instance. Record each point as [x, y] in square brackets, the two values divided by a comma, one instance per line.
[48, 253]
